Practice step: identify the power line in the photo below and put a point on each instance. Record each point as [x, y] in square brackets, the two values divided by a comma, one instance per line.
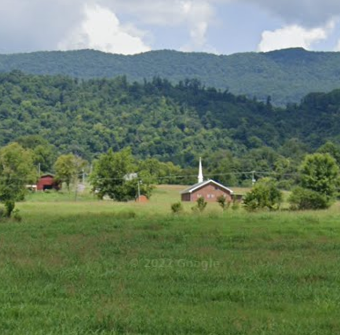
[251, 173]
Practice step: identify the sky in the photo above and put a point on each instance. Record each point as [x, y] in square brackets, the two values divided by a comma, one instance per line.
[135, 26]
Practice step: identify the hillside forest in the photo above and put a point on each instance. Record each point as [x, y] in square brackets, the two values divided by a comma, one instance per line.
[285, 75]
[169, 123]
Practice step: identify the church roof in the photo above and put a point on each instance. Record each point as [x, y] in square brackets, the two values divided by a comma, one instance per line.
[209, 181]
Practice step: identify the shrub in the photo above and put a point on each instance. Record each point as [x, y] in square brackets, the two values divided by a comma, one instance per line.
[320, 173]
[201, 204]
[264, 195]
[302, 199]
[222, 201]
[177, 207]
[9, 207]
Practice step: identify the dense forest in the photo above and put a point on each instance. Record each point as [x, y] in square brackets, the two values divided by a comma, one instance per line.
[285, 75]
[169, 122]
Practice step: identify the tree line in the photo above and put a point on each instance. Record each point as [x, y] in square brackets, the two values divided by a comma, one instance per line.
[119, 175]
[252, 74]
[165, 121]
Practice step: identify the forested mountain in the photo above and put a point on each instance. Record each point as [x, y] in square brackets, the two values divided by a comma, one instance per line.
[285, 75]
[158, 119]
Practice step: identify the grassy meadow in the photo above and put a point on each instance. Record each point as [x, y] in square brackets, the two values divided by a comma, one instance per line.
[99, 267]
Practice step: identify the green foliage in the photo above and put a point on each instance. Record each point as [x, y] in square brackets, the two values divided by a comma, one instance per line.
[320, 173]
[126, 215]
[158, 172]
[267, 76]
[116, 175]
[44, 152]
[264, 195]
[9, 208]
[16, 215]
[222, 201]
[165, 122]
[332, 149]
[281, 271]
[200, 206]
[304, 199]
[68, 167]
[157, 119]
[177, 208]
[16, 170]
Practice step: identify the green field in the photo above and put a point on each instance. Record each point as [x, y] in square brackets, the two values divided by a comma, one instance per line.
[99, 267]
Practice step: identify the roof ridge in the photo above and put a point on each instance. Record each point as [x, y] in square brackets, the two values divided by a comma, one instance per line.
[198, 185]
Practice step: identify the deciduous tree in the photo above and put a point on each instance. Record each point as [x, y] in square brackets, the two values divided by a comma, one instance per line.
[320, 173]
[68, 168]
[116, 175]
[264, 195]
[16, 170]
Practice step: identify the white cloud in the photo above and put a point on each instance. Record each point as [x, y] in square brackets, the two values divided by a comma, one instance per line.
[195, 15]
[114, 25]
[50, 24]
[30, 25]
[101, 30]
[293, 36]
[199, 15]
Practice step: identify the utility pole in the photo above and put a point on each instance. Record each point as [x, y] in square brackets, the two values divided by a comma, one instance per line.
[253, 180]
[39, 169]
[138, 190]
[83, 177]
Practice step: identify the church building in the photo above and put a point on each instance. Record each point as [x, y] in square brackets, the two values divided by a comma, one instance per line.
[209, 189]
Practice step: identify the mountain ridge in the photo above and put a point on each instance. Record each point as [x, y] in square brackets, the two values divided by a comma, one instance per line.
[286, 75]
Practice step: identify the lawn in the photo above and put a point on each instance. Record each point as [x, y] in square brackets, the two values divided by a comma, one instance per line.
[91, 267]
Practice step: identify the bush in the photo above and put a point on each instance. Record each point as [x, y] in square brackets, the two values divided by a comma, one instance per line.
[302, 199]
[177, 207]
[201, 204]
[222, 201]
[264, 195]
[9, 207]
[320, 173]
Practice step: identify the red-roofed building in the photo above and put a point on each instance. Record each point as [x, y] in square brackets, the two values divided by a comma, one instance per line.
[48, 182]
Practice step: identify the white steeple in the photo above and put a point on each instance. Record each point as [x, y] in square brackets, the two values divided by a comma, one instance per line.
[200, 172]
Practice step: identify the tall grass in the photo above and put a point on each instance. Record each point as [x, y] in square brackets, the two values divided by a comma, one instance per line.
[107, 268]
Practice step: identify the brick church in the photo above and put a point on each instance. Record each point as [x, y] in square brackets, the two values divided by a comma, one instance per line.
[209, 189]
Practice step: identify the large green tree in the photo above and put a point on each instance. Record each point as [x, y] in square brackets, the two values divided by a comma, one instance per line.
[320, 173]
[16, 171]
[44, 153]
[264, 195]
[116, 175]
[332, 149]
[68, 168]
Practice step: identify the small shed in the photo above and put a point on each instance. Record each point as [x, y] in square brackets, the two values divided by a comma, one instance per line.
[210, 190]
[48, 182]
[142, 199]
